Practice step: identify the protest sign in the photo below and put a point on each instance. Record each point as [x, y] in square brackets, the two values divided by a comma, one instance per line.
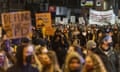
[57, 20]
[44, 20]
[101, 17]
[16, 24]
[65, 20]
[73, 19]
[81, 20]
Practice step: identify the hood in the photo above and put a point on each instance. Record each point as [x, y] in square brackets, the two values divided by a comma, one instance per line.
[90, 44]
[69, 57]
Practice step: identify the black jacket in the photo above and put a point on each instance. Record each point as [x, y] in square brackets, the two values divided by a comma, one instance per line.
[27, 68]
[111, 60]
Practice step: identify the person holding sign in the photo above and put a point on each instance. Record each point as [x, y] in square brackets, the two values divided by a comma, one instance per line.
[40, 28]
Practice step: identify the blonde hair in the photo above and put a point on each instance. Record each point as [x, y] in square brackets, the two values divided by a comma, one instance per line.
[98, 64]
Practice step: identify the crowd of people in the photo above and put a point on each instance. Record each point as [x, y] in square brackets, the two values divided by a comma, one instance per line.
[72, 48]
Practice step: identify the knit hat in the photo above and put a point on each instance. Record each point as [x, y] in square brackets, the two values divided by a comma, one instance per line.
[90, 44]
[107, 38]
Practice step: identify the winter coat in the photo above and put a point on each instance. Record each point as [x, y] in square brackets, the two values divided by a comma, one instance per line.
[110, 60]
[27, 68]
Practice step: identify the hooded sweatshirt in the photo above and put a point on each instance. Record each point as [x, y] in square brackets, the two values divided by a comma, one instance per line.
[68, 58]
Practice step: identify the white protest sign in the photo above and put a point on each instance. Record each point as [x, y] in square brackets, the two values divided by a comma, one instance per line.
[101, 17]
[72, 19]
[57, 20]
[81, 20]
[65, 20]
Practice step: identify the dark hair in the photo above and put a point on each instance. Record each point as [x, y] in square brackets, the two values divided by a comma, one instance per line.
[19, 55]
[25, 40]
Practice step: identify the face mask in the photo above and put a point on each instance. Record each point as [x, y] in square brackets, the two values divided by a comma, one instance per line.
[97, 29]
[111, 44]
[30, 48]
[45, 50]
[89, 67]
[84, 33]
[88, 31]
[93, 49]
[29, 59]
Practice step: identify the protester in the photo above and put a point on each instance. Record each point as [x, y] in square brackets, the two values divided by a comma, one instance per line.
[116, 39]
[83, 38]
[66, 49]
[73, 63]
[108, 55]
[24, 57]
[93, 64]
[49, 62]
[91, 46]
[75, 46]
[89, 34]
[53, 58]
[60, 45]
[4, 62]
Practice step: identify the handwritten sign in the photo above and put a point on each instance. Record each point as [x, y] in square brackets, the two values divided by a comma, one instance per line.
[16, 24]
[44, 20]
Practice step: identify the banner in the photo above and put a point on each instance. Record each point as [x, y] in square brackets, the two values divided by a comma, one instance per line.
[16, 24]
[44, 20]
[101, 17]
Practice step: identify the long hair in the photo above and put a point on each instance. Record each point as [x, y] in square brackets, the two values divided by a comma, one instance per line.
[98, 64]
[53, 57]
[19, 55]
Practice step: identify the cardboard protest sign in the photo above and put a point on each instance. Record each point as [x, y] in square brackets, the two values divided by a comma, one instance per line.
[49, 31]
[16, 24]
[44, 20]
